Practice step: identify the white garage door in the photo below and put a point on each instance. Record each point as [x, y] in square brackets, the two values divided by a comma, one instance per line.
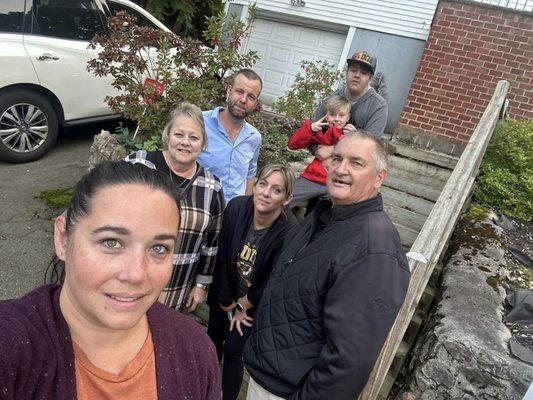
[282, 46]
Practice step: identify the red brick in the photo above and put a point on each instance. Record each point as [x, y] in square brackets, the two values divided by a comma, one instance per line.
[489, 46]
[497, 54]
[501, 41]
[526, 26]
[484, 17]
[460, 53]
[521, 39]
[447, 11]
[418, 111]
[476, 23]
[486, 57]
[465, 136]
[447, 125]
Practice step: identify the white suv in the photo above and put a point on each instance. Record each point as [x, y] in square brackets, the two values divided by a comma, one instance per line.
[44, 81]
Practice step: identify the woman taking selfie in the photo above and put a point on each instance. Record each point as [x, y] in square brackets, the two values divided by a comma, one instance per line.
[102, 334]
[252, 234]
[202, 203]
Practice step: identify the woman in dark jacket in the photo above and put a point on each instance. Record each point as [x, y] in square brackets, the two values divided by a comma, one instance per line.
[252, 234]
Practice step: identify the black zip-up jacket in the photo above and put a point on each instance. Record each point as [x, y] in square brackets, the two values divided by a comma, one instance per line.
[238, 216]
[329, 304]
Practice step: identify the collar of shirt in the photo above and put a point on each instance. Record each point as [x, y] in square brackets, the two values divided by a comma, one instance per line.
[246, 131]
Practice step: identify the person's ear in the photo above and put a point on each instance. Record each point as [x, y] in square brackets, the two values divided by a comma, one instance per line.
[287, 201]
[380, 178]
[60, 237]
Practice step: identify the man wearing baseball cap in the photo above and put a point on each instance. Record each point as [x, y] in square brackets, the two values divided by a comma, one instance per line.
[369, 110]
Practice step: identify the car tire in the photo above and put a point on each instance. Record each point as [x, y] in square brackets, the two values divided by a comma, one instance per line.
[28, 126]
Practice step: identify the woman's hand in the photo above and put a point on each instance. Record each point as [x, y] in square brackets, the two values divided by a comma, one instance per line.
[196, 296]
[228, 308]
[238, 319]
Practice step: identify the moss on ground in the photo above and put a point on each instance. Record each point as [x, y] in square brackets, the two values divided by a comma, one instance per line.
[57, 198]
[478, 212]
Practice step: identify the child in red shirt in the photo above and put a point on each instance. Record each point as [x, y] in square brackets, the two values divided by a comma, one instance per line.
[326, 131]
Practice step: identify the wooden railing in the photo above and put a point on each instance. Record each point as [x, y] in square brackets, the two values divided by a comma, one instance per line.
[430, 243]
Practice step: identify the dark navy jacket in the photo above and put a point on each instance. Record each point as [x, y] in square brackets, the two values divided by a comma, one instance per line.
[329, 304]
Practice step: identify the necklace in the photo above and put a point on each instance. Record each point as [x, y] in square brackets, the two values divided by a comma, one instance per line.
[186, 183]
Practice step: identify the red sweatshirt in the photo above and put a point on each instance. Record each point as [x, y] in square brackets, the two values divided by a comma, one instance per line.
[304, 137]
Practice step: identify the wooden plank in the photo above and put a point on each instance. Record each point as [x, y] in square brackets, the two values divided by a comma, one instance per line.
[411, 186]
[406, 200]
[405, 217]
[407, 235]
[419, 169]
[436, 232]
[430, 157]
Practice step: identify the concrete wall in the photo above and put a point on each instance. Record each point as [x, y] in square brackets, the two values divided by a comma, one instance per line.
[398, 59]
[470, 47]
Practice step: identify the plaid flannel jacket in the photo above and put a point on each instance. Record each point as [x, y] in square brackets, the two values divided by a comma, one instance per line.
[200, 223]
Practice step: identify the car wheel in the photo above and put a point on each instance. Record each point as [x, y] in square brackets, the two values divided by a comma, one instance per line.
[28, 126]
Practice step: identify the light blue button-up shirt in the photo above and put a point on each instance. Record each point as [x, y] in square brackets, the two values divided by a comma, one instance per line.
[232, 162]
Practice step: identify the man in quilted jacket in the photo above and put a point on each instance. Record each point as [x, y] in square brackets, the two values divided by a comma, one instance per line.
[335, 290]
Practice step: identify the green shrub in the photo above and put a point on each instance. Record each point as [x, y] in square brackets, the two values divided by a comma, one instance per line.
[276, 132]
[505, 180]
[309, 89]
[180, 69]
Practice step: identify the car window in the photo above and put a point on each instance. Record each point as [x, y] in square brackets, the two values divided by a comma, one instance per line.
[11, 15]
[141, 19]
[67, 19]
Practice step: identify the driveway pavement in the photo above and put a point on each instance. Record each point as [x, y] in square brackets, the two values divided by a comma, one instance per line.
[26, 224]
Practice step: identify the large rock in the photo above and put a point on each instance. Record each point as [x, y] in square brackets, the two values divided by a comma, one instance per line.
[105, 147]
[463, 351]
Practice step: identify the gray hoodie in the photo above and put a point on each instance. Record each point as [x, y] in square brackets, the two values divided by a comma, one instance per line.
[368, 113]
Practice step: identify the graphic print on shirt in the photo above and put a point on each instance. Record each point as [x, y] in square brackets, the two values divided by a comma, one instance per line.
[246, 262]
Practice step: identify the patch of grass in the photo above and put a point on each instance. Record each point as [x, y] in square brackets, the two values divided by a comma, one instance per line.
[57, 198]
[505, 180]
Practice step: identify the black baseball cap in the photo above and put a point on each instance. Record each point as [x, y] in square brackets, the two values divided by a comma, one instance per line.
[366, 60]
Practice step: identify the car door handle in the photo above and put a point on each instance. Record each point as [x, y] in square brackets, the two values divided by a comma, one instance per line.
[47, 56]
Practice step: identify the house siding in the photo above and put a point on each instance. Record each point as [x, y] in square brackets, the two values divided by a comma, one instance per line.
[408, 18]
[398, 59]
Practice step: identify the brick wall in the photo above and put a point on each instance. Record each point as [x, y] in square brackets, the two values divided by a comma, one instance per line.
[470, 47]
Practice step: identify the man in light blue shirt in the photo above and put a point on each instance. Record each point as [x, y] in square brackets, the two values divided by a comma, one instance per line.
[234, 144]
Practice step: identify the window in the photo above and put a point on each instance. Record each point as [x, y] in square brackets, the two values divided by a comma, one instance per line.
[141, 19]
[11, 15]
[67, 19]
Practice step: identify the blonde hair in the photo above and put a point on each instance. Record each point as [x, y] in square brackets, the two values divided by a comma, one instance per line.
[286, 172]
[188, 110]
[338, 103]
